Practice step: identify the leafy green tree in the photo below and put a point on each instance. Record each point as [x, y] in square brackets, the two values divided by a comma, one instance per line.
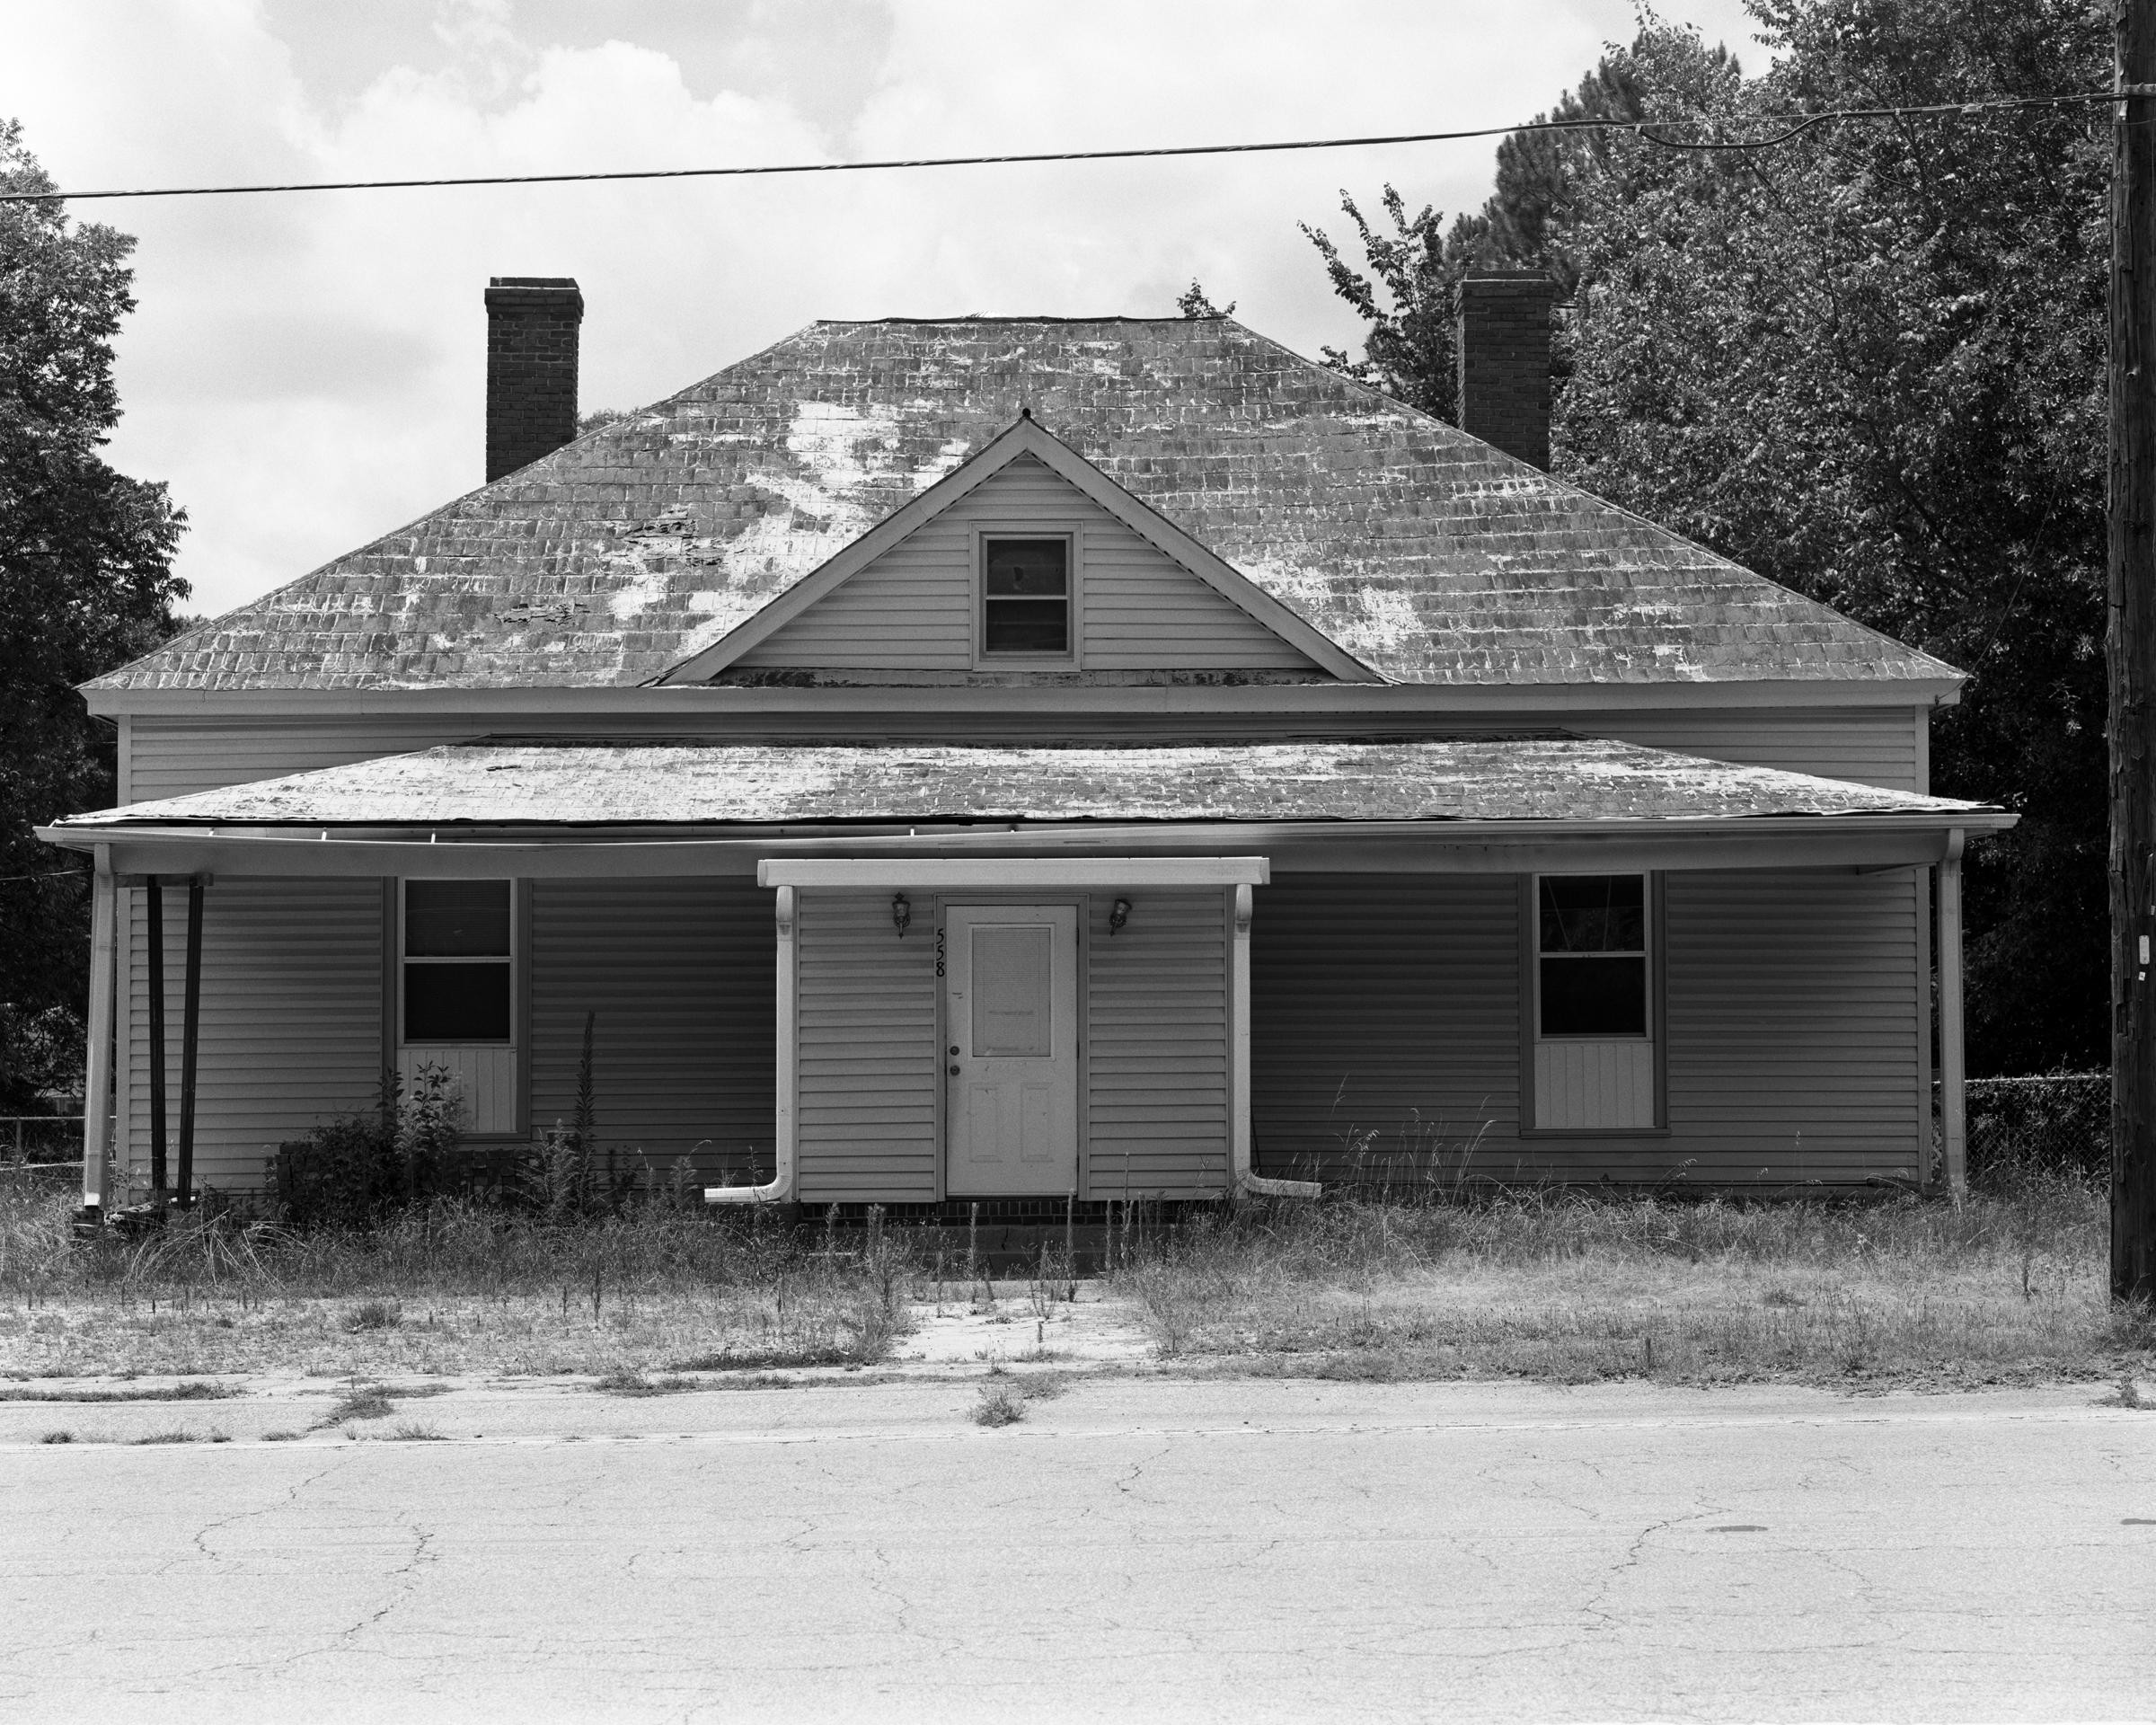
[1406, 299]
[85, 584]
[1404, 292]
[1868, 363]
[1193, 302]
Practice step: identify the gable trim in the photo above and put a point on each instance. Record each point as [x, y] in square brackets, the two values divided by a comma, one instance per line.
[1025, 437]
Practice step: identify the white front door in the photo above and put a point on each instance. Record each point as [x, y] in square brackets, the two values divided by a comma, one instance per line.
[1011, 1067]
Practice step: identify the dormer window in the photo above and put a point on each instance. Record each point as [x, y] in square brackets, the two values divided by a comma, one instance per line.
[1026, 596]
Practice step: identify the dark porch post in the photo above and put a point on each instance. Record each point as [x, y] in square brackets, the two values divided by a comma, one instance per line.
[157, 955]
[190, 1018]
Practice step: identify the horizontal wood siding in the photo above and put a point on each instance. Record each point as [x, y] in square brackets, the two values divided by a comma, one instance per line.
[1384, 1028]
[679, 973]
[174, 757]
[870, 1066]
[1385, 1031]
[1796, 1007]
[1881, 745]
[912, 609]
[1157, 1047]
[291, 1029]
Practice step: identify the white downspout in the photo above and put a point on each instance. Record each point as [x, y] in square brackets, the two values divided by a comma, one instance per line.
[780, 1186]
[97, 1076]
[1238, 1070]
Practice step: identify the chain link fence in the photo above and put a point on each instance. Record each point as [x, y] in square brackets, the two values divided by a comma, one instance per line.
[39, 1150]
[2058, 1124]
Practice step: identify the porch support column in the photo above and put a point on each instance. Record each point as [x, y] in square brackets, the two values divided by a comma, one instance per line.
[97, 1075]
[789, 1062]
[1952, 1116]
[1239, 1068]
[191, 1013]
[155, 907]
[1239, 1038]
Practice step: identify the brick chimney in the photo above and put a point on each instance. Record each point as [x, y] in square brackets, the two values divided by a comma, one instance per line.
[531, 323]
[1504, 357]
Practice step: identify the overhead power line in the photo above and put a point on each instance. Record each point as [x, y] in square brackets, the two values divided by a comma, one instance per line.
[1790, 124]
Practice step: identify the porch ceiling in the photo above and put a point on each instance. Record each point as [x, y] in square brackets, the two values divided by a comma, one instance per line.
[538, 786]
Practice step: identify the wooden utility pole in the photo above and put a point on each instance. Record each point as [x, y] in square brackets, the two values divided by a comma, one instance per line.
[2131, 649]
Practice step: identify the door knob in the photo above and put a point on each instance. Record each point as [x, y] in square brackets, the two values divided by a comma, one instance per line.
[954, 1048]
[954, 1072]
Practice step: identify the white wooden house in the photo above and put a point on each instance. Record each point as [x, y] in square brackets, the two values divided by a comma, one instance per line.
[1005, 759]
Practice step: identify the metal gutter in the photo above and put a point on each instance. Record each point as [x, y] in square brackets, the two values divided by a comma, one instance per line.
[1479, 846]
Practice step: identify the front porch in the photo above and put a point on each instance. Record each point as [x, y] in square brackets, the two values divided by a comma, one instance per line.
[1377, 973]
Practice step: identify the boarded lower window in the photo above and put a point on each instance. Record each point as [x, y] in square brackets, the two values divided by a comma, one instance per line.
[458, 962]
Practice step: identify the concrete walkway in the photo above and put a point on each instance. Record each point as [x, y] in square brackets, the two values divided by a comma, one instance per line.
[1134, 1548]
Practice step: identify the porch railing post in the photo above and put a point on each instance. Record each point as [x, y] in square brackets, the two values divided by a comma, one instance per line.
[97, 1074]
[1953, 1117]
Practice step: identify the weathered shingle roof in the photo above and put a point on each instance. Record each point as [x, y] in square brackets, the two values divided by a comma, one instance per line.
[1423, 552]
[1505, 778]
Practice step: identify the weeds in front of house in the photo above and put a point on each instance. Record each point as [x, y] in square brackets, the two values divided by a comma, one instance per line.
[365, 1402]
[998, 1405]
[2007, 1286]
[635, 1383]
[448, 1286]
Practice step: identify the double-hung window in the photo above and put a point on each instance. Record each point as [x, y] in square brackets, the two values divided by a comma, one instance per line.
[1026, 596]
[1593, 1002]
[457, 992]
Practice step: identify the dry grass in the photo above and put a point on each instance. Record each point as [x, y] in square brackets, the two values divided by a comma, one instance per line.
[449, 1290]
[2006, 1287]
[999, 1406]
[190, 1392]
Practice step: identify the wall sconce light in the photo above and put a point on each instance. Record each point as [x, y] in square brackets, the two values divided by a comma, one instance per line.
[902, 913]
[1118, 914]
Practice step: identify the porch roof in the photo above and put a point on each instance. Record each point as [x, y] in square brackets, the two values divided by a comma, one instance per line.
[531, 786]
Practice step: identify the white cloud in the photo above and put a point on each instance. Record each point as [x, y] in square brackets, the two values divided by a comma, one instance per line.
[307, 370]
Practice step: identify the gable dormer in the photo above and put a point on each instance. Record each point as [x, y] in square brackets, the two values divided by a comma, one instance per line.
[1025, 562]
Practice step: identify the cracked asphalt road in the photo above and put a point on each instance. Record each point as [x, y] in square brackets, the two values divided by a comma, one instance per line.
[1146, 1549]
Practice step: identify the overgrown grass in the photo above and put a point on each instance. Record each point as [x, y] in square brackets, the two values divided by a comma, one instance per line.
[446, 1289]
[998, 1406]
[2007, 1286]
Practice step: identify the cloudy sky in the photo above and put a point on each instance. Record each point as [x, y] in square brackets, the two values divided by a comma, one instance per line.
[307, 371]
